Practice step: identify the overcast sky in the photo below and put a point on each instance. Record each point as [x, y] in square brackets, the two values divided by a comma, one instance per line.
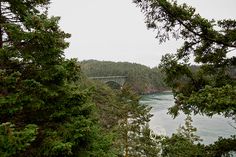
[114, 30]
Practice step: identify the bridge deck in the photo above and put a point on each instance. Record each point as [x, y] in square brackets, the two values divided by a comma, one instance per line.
[118, 79]
[108, 77]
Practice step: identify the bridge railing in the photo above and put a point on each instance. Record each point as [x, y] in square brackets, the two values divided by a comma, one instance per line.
[108, 77]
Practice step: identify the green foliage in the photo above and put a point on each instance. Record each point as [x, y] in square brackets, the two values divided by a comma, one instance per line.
[142, 79]
[183, 142]
[223, 147]
[208, 45]
[211, 88]
[13, 141]
[123, 121]
[186, 143]
[136, 138]
[40, 90]
[107, 103]
[177, 146]
[188, 131]
[149, 143]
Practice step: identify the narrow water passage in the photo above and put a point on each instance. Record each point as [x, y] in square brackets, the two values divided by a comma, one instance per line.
[209, 129]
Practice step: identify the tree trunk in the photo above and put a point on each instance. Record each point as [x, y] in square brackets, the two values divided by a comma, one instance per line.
[126, 137]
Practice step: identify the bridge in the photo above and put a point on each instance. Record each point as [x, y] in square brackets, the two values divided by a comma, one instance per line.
[106, 79]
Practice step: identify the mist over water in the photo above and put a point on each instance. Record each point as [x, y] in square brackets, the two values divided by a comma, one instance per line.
[208, 128]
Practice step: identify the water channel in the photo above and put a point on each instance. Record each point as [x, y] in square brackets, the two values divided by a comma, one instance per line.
[209, 129]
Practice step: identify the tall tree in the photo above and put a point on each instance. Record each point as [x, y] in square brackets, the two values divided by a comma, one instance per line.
[183, 143]
[211, 88]
[43, 111]
[209, 42]
[136, 138]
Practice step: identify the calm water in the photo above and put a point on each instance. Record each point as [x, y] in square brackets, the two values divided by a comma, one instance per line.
[209, 129]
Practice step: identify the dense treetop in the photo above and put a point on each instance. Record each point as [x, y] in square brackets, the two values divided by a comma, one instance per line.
[43, 110]
[48, 107]
[211, 88]
[209, 42]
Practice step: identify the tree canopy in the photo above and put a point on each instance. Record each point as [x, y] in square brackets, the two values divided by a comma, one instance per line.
[211, 88]
[49, 108]
[43, 110]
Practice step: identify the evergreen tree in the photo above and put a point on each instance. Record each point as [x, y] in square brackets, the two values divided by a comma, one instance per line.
[149, 143]
[43, 110]
[184, 143]
[188, 131]
[136, 137]
[210, 89]
[209, 46]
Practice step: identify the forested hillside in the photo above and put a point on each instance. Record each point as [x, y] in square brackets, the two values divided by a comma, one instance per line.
[140, 78]
[49, 108]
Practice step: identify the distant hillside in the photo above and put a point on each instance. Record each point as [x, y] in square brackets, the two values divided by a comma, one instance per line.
[141, 78]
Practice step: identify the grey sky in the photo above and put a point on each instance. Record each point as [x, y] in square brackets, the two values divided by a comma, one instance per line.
[115, 30]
